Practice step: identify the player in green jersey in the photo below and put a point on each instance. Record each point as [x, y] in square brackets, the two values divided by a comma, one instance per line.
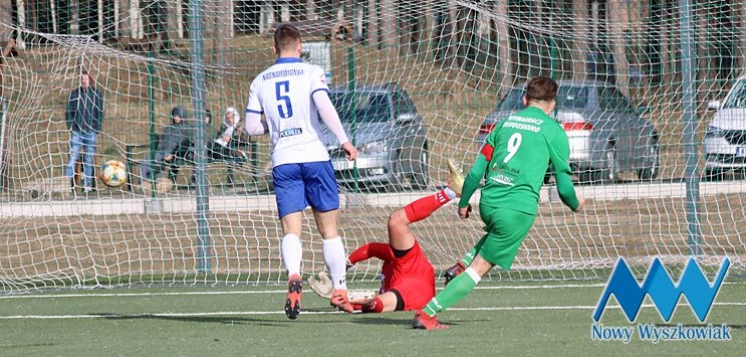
[513, 162]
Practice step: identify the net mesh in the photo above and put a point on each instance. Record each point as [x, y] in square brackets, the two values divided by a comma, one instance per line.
[462, 63]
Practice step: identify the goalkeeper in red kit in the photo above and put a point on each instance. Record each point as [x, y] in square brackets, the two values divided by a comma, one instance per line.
[407, 276]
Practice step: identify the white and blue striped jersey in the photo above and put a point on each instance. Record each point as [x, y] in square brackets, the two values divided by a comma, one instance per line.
[283, 93]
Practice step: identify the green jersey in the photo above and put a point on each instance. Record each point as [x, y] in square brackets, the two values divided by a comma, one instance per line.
[517, 154]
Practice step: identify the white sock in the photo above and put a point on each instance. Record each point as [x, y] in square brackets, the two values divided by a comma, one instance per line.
[335, 258]
[473, 275]
[450, 193]
[292, 254]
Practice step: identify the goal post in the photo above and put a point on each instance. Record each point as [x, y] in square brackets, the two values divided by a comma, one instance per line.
[634, 109]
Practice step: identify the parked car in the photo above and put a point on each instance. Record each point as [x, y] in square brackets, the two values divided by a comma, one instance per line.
[725, 139]
[607, 134]
[389, 134]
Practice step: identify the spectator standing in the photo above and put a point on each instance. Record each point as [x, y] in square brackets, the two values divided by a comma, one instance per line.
[84, 116]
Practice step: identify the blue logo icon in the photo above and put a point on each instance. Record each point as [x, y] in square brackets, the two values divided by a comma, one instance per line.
[662, 291]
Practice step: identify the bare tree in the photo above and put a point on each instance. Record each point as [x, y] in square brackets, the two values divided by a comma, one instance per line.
[580, 39]
[503, 45]
[443, 30]
[224, 30]
[411, 23]
[6, 7]
[373, 23]
[388, 24]
[616, 14]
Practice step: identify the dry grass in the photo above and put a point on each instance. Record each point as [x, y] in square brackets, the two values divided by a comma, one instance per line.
[246, 243]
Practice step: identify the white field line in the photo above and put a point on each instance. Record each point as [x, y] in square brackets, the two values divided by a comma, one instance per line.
[254, 292]
[280, 291]
[330, 312]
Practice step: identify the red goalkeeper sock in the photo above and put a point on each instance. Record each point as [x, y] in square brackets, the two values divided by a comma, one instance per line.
[424, 207]
[375, 307]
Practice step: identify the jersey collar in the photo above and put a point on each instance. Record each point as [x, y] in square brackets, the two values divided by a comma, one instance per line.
[288, 60]
[534, 111]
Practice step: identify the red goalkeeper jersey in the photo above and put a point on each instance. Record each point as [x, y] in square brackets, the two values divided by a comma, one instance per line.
[413, 265]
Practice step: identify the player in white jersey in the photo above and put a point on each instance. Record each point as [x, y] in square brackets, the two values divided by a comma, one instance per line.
[291, 94]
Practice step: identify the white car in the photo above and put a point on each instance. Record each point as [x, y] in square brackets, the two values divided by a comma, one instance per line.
[725, 140]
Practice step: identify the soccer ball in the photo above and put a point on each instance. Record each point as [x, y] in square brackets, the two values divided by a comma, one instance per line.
[114, 173]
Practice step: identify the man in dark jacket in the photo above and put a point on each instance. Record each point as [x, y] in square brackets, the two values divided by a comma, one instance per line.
[84, 116]
[173, 146]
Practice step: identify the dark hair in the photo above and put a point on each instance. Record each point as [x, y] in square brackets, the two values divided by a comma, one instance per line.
[208, 114]
[541, 89]
[84, 72]
[286, 35]
[177, 112]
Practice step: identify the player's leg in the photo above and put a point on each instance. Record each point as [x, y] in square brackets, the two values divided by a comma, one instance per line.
[457, 184]
[506, 231]
[460, 266]
[290, 205]
[75, 145]
[386, 302]
[401, 237]
[89, 148]
[322, 194]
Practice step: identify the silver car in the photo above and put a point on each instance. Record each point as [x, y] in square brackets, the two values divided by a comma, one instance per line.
[725, 140]
[607, 134]
[389, 134]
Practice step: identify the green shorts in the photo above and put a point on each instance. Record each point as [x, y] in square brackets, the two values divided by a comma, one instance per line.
[506, 229]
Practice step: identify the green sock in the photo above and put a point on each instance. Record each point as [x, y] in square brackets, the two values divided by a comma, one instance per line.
[456, 290]
[467, 259]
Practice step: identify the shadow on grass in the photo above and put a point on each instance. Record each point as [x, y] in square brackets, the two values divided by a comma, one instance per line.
[272, 320]
[377, 320]
[5, 347]
[403, 322]
[226, 320]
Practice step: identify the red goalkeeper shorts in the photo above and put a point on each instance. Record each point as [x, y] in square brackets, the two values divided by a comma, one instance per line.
[416, 292]
[414, 279]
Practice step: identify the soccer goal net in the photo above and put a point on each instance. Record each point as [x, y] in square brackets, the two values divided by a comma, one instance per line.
[663, 165]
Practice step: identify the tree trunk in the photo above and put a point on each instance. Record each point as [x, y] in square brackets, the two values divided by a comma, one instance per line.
[503, 47]
[224, 19]
[740, 32]
[21, 13]
[74, 19]
[581, 41]
[389, 34]
[701, 43]
[174, 26]
[100, 30]
[267, 17]
[616, 14]
[311, 10]
[6, 6]
[373, 24]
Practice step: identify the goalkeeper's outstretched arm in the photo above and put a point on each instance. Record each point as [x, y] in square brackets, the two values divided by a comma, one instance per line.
[371, 250]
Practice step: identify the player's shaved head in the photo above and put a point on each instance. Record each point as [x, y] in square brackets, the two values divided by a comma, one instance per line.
[541, 89]
[286, 37]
